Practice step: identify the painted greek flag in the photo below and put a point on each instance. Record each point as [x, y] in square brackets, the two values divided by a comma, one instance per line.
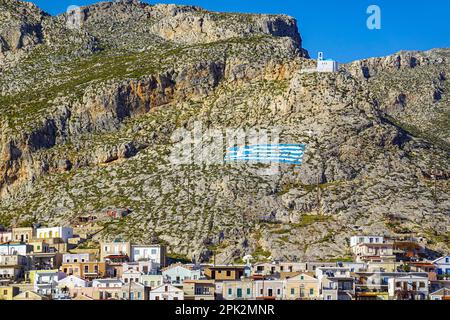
[264, 153]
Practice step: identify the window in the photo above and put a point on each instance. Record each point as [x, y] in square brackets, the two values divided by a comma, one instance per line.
[230, 291]
[311, 291]
[292, 290]
[5, 292]
[139, 295]
[137, 252]
[302, 277]
[249, 292]
[278, 291]
[154, 251]
[228, 273]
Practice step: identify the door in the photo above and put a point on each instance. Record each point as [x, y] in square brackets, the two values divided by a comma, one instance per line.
[239, 293]
[269, 292]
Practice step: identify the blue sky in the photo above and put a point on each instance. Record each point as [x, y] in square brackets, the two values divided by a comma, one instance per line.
[338, 27]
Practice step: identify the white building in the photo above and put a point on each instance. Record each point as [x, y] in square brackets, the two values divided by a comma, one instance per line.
[76, 257]
[55, 232]
[5, 236]
[107, 283]
[46, 283]
[408, 287]
[442, 265]
[15, 249]
[156, 253]
[355, 240]
[177, 273]
[72, 282]
[131, 275]
[166, 292]
[326, 65]
[145, 267]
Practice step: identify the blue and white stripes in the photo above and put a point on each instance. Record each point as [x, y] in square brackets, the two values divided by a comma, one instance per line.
[267, 153]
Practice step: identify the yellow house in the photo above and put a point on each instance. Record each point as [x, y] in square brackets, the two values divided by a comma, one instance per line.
[30, 295]
[302, 287]
[7, 293]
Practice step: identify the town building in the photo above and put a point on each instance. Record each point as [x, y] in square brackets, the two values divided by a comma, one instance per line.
[224, 273]
[335, 283]
[13, 267]
[302, 287]
[23, 234]
[134, 291]
[5, 236]
[8, 292]
[63, 233]
[86, 270]
[46, 282]
[442, 267]
[115, 248]
[177, 273]
[267, 268]
[408, 287]
[166, 292]
[199, 290]
[155, 253]
[151, 280]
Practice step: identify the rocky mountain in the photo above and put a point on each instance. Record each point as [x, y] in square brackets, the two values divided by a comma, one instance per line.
[89, 112]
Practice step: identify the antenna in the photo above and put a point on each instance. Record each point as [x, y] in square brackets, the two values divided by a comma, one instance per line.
[320, 56]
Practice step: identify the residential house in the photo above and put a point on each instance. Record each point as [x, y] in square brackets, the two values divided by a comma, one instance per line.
[199, 290]
[115, 248]
[13, 267]
[408, 287]
[85, 270]
[423, 266]
[442, 265]
[76, 257]
[143, 266]
[238, 290]
[166, 292]
[441, 294]
[46, 281]
[372, 248]
[45, 260]
[72, 282]
[63, 233]
[134, 291]
[106, 289]
[39, 246]
[268, 289]
[15, 249]
[151, 280]
[335, 283]
[8, 292]
[267, 268]
[155, 253]
[311, 266]
[177, 273]
[23, 234]
[224, 273]
[5, 236]
[373, 285]
[131, 275]
[30, 295]
[302, 287]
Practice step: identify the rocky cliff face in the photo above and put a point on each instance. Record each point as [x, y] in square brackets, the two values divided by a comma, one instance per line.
[88, 116]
